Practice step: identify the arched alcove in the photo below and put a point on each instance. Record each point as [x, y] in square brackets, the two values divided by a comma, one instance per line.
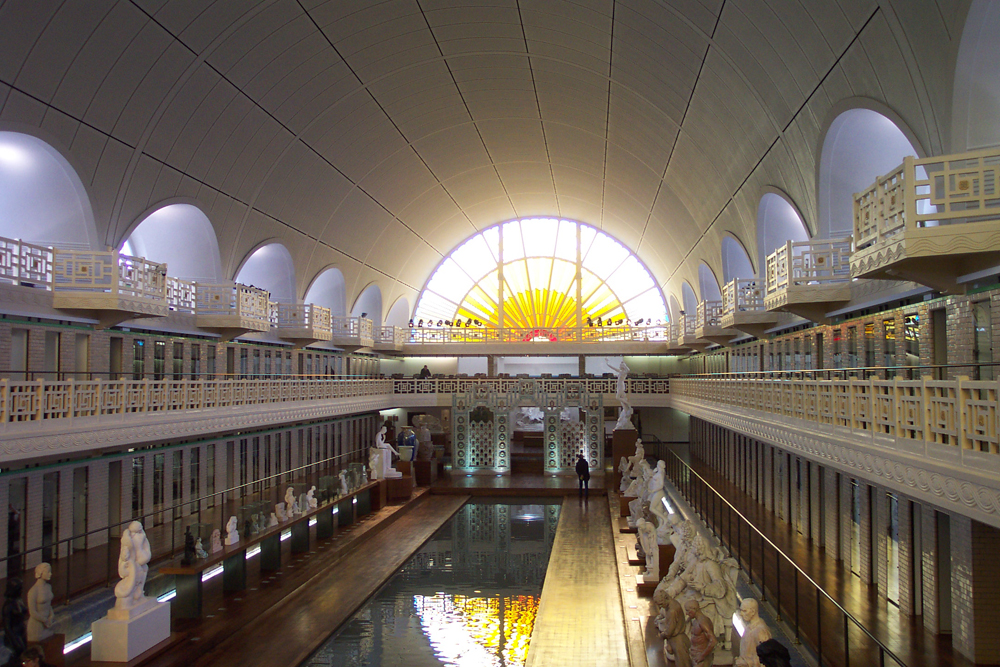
[675, 308]
[976, 97]
[777, 222]
[708, 286]
[329, 290]
[735, 260]
[689, 299]
[270, 267]
[399, 314]
[182, 236]
[860, 145]
[42, 199]
[370, 302]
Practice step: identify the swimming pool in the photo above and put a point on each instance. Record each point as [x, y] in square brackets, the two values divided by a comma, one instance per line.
[468, 597]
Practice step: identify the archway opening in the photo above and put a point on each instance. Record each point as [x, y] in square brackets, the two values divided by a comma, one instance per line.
[369, 304]
[329, 290]
[735, 260]
[976, 98]
[42, 199]
[777, 222]
[399, 314]
[182, 236]
[707, 284]
[270, 267]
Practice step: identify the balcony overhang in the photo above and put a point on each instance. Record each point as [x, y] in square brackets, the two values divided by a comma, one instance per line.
[228, 327]
[693, 342]
[754, 322]
[932, 256]
[811, 302]
[302, 336]
[452, 349]
[108, 309]
[720, 335]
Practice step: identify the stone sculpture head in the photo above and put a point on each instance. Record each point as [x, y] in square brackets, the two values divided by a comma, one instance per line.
[660, 597]
[43, 571]
[748, 610]
[691, 608]
[231, 526]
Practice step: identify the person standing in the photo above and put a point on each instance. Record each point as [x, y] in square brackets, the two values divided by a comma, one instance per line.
[583, 472]
[425, 372]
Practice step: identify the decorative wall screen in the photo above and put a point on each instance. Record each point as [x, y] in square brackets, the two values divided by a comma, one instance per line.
[540, 273]
[481, 426]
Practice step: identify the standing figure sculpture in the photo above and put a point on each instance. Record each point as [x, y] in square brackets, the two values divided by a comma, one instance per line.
[15, 636]
[755, 631]
[133, 565]
[290, 507]
[232, 535]
[703, 638]
[711, 581]
[216, 541]
[651, 552]
[625, 416]
[671, 623]
[40, 614]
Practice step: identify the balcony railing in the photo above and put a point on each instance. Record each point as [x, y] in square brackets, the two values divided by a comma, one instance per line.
[233, 305]
[798, 264]
[182, 295]
[708, 314]
[25, 264]
[959, 413]
[929, 192]
[594, 334]
[392, 337]
[304, 320]
[742, 295]
[451, 385]
[108, 272]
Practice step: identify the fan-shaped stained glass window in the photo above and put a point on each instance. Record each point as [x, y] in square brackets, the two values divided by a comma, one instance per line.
[541, 273]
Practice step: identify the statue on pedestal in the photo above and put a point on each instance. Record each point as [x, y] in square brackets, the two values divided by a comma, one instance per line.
[703, 640]
[311, 501]
[15, 613]
[343, 483]
[755, 631]
[671, 623]
[40, 614]
[232, 535]
[381, 464]
[651, 552]
[274, 520]
[216, 541]
[625, 416]
[133, 565]
[656, 507]
[199, 549]
[290, 507]
[711, 581]
[279, 512]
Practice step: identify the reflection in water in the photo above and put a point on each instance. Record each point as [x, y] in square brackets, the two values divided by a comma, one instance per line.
[468, 598]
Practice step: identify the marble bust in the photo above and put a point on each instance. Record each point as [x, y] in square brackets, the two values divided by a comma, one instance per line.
[232, 535]
[216, 541]
[40, 614]
[755, 631]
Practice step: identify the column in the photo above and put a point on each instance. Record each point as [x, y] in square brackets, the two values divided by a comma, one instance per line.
[33, 520]
[906, 554]
[186, 480]
[831, 515]
[65, 511]
[868, 569]
[975, 590]
[97, 501]
[929, 556]
[845, 520]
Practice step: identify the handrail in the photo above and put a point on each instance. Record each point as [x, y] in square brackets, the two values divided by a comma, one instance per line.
[883, 649]
[827, 373]
[264, 482]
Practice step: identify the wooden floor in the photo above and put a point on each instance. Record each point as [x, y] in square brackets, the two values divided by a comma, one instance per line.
[282, 618]
[901, 633]
[581, 568]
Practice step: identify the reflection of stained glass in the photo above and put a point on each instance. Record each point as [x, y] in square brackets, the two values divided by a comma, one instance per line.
[540, 273]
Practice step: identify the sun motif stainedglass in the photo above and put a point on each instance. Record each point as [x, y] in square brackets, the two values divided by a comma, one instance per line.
[541, 273]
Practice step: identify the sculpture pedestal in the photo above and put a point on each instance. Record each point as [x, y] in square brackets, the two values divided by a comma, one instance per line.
[623, 506]
[121, 640]
[622, 444]
[667, 553]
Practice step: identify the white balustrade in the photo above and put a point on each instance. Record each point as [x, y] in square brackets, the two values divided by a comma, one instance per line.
[233, 304]
[798, 264]
[590, 334]
[305, 318]
[25, 264]
[108, 272]
[182, 295]
[708, 314]
[742, 295]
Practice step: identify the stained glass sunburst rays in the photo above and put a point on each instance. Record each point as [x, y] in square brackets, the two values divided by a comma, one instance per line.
[540, 273]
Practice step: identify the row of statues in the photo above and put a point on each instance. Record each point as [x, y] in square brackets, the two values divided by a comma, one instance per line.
[696, 599]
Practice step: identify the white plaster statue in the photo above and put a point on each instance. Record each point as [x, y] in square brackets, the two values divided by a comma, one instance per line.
[385, 469]
[656, 506]
[216, 541]
[199, 549]
[625, 416]
[290, 507]
[232, 534]
[311, 501]
[703, 640]
[647, 538]
[638, 507]
[755, 631]
[40, 614]
[133, 565]
[634, 489]
[343, 483]
[711, 581]
[375, 461]
[279, 512]
[273, 521]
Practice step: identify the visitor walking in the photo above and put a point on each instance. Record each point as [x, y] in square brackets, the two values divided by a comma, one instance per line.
[583, 472]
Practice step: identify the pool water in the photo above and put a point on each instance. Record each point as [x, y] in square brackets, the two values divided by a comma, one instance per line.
[467, 598]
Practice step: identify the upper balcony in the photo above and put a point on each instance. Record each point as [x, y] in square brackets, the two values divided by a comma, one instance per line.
[232, 309]
[107, 285]
[930, 221]
[689, 338]
[391, 338]
[743, 307]
[809, 278]
[352, 333]
[303, 323]
[708, 324]
[539, 340]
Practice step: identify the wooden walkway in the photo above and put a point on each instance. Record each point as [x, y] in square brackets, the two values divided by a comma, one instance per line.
[580, 620]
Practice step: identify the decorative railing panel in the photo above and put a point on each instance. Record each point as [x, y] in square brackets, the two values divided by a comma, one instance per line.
[590, 334]
[742, 295]
[182, 295]
[708, 314]
[958, 413]
[809, 263]
[233, 300]
[25, 263]
[304, 316]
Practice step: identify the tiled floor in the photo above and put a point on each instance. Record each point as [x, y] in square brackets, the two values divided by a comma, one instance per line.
[580, 619]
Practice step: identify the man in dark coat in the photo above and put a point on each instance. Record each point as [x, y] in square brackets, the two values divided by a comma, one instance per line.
[583, 472]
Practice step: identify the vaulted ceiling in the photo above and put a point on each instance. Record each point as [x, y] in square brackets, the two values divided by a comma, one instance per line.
[376, 135]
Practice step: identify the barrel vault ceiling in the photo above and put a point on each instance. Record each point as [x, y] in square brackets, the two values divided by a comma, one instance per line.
[377, 135]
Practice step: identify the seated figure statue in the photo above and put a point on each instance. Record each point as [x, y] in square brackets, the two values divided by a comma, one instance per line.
[711, 581]
[386, 471]
[635, 484]
[290, 507]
